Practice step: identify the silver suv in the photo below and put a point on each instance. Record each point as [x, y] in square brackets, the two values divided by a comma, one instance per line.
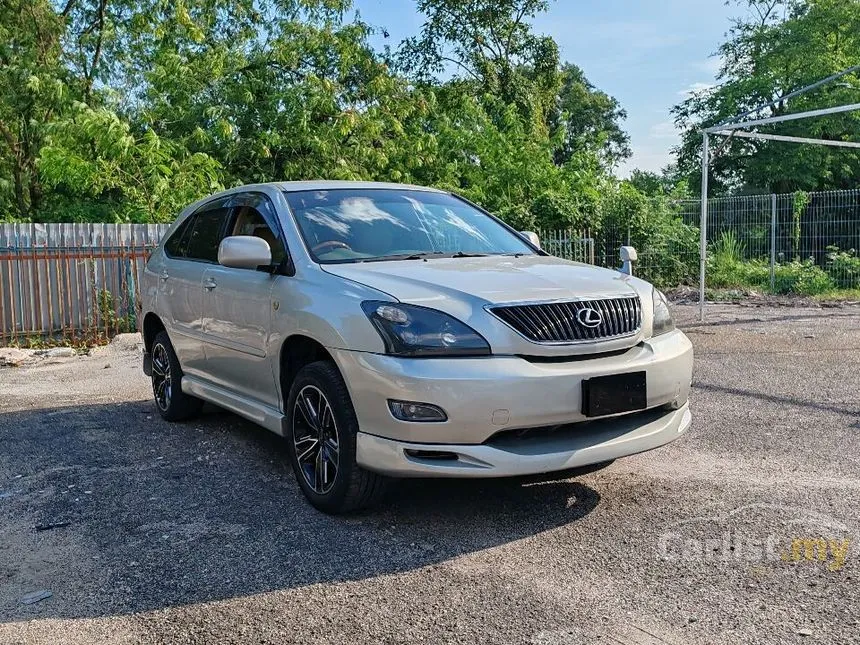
[389, 330]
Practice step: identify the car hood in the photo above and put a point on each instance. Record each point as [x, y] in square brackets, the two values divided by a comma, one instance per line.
[491, 279]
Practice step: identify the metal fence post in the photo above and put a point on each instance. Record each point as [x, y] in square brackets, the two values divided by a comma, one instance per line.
[772, 243]
[703, 223]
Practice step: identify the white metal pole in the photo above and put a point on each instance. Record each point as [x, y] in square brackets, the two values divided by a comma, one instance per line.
[791, 95]
[787, 139]
[703, 226]
[785, 117]
[772, 243]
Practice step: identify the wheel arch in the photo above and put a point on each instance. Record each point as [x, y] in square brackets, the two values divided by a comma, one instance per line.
[297, 351]
[152, 325]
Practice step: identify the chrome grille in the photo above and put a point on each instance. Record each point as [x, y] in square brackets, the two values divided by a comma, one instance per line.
[557, 322]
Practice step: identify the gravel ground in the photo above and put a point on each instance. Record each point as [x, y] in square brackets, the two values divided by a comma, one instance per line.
[197, 532]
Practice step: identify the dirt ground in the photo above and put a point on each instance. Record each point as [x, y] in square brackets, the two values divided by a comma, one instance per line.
[743, 531]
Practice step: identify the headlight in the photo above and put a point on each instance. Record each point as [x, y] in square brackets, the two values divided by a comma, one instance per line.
[410, 330]
[662, 317]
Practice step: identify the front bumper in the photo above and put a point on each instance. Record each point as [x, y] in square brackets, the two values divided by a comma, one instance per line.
[570, 447]
[483, 396]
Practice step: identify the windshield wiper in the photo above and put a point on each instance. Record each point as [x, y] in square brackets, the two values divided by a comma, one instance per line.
[402, 256]
[423, 255]
[461, 254]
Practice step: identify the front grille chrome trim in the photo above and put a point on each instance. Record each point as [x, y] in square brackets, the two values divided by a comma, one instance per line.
[554, 322]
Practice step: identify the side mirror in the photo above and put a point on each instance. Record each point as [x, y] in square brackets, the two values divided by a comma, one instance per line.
[244, 252]
[628, 257]
[532, 237]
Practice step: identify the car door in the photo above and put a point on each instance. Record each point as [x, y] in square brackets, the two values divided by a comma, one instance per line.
[238, 305]
[187, 253]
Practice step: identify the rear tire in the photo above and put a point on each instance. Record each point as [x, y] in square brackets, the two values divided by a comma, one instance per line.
[321, 441]
[173, 404]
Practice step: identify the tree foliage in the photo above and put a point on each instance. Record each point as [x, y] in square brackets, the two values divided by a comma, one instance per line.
[125, 111]
[33, 91]
[120, 110]
[777, 47]
[590, 119]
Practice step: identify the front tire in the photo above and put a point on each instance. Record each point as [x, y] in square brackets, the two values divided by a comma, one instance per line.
[321, 441]
[172, 403]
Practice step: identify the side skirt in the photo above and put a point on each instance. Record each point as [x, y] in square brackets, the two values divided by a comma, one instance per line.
[261, 414]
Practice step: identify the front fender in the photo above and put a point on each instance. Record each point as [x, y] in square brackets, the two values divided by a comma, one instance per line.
[327, 309]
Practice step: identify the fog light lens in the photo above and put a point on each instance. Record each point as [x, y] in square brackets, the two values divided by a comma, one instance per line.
[416, 412]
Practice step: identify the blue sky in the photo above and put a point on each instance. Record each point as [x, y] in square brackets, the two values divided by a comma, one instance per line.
[645, 53]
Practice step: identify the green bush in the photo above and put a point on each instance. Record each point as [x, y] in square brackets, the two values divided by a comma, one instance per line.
[843, 267]
[726, 272]
[728, 249]
[557, 211]
[802, 278]
[671, 256]
[518, 216]
[727, 268]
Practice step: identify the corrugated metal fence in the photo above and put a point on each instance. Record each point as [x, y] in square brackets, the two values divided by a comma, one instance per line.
[77, 281]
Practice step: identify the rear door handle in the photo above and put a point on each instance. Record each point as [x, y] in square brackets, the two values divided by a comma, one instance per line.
[209, 284]
[164, 275]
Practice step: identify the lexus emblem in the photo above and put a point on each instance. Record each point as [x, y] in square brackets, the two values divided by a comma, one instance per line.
[588, 317]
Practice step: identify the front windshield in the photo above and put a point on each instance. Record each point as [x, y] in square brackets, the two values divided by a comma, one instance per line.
[362, 225]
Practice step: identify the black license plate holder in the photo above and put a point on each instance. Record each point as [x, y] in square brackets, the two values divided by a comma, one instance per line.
[614, 394]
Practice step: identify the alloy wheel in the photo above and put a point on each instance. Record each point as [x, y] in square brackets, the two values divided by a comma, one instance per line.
[315, 438]
[161, 382]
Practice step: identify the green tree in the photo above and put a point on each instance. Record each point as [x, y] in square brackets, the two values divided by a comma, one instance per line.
[113, 110]
[490, 45]
[591, 120]
[33, 91]
[667, 182]
[780, 46]
[312, 99]
[94, 159]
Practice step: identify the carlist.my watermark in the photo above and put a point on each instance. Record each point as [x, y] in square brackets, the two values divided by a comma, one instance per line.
[747, 535]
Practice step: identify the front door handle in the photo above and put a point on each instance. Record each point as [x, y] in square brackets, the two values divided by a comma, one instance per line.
[164, 275]
[209, 284]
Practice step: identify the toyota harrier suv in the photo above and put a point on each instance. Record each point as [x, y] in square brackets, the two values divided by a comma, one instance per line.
[398, 331]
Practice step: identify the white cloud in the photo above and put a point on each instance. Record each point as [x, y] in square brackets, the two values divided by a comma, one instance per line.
[664, 130]
[646, 157]
[696, 88]
[652, 152]
[710, 65]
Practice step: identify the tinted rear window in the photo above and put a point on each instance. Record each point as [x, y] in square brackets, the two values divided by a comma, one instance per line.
[177, 244]
[206, 235]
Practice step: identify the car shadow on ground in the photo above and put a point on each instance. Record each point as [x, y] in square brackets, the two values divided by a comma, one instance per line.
[774, 398]
[172, 514]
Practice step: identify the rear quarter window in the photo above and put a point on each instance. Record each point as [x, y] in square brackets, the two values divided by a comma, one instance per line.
[206, 235]
[177, 244]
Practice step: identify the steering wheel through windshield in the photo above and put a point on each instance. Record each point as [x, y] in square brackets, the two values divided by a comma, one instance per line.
[331, 244]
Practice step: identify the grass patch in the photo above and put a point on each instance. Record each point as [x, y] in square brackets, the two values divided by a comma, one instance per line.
[839, 295]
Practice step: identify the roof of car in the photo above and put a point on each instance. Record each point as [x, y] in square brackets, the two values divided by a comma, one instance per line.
[324, 184]
[313, 184]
